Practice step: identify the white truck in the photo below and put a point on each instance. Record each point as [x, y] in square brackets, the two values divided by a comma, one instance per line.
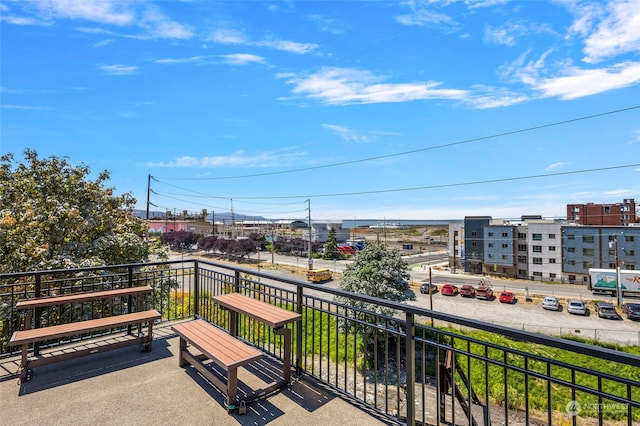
[605, 281]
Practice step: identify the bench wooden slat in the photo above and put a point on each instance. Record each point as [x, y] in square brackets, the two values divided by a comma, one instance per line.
[63, 330]
[217, 345]
[272, 315]
[81, 297]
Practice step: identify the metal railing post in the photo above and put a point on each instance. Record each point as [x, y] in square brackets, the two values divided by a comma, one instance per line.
[410, 368]
[299, 294]
[37, 292]
[196, 288]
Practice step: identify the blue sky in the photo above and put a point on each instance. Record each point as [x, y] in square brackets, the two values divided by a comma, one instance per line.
[368, 109]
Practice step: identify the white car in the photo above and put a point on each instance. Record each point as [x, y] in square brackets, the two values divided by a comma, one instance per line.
[551, 303]
[576, 307]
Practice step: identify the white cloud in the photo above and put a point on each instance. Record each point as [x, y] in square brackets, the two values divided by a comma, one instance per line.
[243, 59]
[618, 192]
[160, 26]
[102, 11]
[617, 33]
[346, 133]
[577, 83]
[180, 60]
[635, 137]
[340, 86]
[238, 159]
[554, 166]
[423, 15]
[509, 33]
[104, 42]
[235, 37]
[119, 69]
[23, 107]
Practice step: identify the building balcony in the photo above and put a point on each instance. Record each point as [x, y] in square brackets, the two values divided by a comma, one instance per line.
[350, 364]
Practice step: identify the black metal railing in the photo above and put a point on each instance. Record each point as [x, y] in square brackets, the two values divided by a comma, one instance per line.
[414, 366]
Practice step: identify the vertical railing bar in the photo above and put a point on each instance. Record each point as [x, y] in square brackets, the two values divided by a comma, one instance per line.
[410, 368]
[505, 378]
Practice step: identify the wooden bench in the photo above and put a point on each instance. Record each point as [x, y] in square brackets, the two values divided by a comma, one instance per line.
[28, 335]
[219, 347]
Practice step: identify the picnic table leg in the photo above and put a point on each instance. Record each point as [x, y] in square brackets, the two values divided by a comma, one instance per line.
[286, 333]
[232, 387]
[183, 347]
[233, 323]
[24, 369]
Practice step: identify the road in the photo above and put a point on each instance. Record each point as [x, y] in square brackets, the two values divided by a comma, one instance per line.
[525, 314]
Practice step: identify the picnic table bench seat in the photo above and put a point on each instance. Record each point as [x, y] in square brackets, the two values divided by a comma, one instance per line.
[31, 336]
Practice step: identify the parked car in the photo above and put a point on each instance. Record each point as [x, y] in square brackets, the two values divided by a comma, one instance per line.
[507, 297]
[427, 288]
[607, 310]
[449, 290]
[576, 307]
[632, 310]
[551, 303]
[484, 292]
[467, 290]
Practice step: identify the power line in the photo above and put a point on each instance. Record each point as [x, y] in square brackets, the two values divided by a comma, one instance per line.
[398, 154]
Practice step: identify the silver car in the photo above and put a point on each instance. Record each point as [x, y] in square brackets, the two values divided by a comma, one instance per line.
[551, 303]
[576, 307]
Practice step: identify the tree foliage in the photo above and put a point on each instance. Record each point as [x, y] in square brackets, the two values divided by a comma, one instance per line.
[379, 273]
[53, 216]
[331, 251]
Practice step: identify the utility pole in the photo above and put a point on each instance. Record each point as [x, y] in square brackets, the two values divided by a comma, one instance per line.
[618, 283]
[213, 222]
[310, 258]
[148, 201]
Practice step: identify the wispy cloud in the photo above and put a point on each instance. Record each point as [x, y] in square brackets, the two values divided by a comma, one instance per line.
[577, 83]
[122, 14]
[243, 59]
[425, 14]
[554, 166]
[237, 159]
[635, 137]
[617, 33]
[191, 59]
[23, 107]
[235, 37]
[103, 43]
[509, 33]
[341, 86]
[346, 133]
[118, 69]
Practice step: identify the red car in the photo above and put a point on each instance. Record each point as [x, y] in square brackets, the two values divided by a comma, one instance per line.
[507, 297]
[449, 290]
[467, 290]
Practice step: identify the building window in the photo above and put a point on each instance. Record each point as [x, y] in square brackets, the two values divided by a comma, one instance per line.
[587, 239]
[552, 248]
[537, 274]
[537, 237]
[474, 234]
[588, 252]
[505, 257]
[474, 245]
[490, 245]
[630, 266]
[537, 261]
[612, 266]
[505, 245]
[522, 259]
[571, 262]
[628, 238]
[587, 265]
[607, 209]
[571, 237]
[552, 275]
[522, 272]
[490, 255]
[552, 260]
[522, 247]
[571, 249]
[505, 235]
[490, 234]
[522, 235]
[537, 249]
[631, 252]
[552, 236]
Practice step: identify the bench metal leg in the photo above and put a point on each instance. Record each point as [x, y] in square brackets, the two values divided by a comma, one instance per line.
[286, 333]
[232, 386]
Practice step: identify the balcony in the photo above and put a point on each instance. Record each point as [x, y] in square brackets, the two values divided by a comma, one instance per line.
[414, 366]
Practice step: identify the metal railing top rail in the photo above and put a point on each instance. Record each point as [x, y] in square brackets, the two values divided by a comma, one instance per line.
[559, 343]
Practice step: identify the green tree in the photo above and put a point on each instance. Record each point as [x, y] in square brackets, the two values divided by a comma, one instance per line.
[379, 273]
[331, 251]
[53, 216]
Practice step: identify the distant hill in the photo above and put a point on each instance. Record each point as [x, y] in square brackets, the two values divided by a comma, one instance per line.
[219, 216]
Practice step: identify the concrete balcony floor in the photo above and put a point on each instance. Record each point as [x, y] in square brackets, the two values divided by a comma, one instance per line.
[129, 387]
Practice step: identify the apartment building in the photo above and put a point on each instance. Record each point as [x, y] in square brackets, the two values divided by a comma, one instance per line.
[617, 214]
[541, 250]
